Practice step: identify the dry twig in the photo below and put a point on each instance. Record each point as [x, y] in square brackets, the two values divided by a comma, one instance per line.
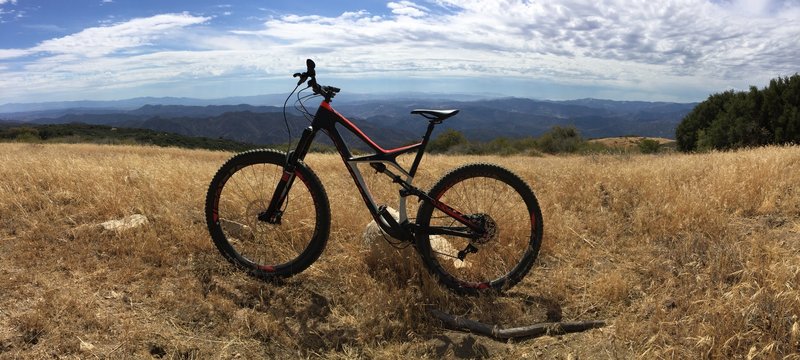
[495, 332]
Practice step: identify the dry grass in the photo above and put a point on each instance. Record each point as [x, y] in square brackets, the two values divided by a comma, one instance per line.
[688, 256]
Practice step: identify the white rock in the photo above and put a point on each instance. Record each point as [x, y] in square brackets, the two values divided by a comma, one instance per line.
[86, 346]
[126, 223]
[375, 242]
[373, 233]
[441, 246]
[384, 262]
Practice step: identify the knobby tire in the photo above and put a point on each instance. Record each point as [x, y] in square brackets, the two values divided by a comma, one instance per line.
[241, 189]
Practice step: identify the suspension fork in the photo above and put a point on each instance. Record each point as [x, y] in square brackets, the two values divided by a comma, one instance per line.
[273, 213]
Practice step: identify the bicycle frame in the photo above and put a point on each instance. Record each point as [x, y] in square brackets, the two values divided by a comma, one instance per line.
[325, 120]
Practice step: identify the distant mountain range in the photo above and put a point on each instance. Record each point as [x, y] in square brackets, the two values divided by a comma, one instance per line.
[386, 120]
[257, 100]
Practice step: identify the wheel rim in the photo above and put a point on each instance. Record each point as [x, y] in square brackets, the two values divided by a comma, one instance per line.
[493, 202]
[245, 194]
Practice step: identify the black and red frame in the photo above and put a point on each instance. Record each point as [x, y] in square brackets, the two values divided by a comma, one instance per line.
[325, 120]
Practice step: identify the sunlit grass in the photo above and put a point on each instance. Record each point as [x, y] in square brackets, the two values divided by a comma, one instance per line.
[687, 256]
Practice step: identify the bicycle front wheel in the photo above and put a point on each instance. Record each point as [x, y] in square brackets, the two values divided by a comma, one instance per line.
[505, 206]
[241, 190]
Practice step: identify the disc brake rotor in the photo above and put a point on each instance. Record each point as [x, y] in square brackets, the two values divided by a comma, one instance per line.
[488, 224]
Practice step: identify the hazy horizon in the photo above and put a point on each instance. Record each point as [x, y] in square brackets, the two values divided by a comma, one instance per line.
[272, 100]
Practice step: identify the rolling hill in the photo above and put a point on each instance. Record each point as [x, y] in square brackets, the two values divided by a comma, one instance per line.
[387, 121]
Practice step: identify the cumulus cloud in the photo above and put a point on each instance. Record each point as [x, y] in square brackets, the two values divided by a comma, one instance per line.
[639, 46]
[104, 40]
[558, 40]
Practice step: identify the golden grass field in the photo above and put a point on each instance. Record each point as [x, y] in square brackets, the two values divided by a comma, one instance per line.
[685, 256]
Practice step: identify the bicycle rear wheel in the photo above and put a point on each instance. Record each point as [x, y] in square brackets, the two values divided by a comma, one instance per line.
[241, 190]
[502, 203]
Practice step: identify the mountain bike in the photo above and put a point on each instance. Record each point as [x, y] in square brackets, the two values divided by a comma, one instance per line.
[479, 228]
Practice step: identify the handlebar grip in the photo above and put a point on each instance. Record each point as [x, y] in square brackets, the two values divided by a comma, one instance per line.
[310, 65]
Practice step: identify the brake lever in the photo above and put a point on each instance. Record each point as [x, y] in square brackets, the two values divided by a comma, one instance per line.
[303, 78]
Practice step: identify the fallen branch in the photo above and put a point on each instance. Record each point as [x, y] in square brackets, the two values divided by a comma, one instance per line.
[495, 332]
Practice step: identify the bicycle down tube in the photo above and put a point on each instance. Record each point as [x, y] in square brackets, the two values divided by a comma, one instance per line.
[325, 119]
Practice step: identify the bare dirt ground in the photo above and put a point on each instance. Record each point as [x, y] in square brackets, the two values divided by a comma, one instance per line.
[685, 256]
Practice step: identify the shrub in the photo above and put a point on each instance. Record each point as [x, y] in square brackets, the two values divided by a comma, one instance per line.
[26, 134]
[649, 146]
[446, 140]
[560, 140]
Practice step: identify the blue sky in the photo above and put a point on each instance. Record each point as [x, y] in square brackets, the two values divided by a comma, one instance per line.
[671, 50]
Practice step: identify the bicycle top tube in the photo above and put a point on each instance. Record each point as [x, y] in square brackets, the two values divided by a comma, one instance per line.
[381, 160]
[349, 125]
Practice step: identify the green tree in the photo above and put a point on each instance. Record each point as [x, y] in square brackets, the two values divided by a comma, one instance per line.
[699, 119]
[732, 119]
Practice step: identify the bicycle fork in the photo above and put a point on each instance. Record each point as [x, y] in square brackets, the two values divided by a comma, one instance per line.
[274, 211]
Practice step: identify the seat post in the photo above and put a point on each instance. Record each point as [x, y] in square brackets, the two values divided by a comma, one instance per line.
[425, 139]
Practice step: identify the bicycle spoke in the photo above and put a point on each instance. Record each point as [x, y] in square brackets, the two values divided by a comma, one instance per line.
[487, 196]
[246, 194]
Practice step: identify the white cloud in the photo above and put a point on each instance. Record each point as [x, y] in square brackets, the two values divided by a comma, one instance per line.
[13, 53]
[14, 13]
[635, 47]
[104, 40]
[569, 41]
[407, 8]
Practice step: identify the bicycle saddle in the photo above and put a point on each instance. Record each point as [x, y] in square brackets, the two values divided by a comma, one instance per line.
[435, 115]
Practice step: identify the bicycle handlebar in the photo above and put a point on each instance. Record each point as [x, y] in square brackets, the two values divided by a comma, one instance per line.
[310, 75]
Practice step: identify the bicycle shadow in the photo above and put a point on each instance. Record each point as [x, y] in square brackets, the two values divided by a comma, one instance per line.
[309, 312]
